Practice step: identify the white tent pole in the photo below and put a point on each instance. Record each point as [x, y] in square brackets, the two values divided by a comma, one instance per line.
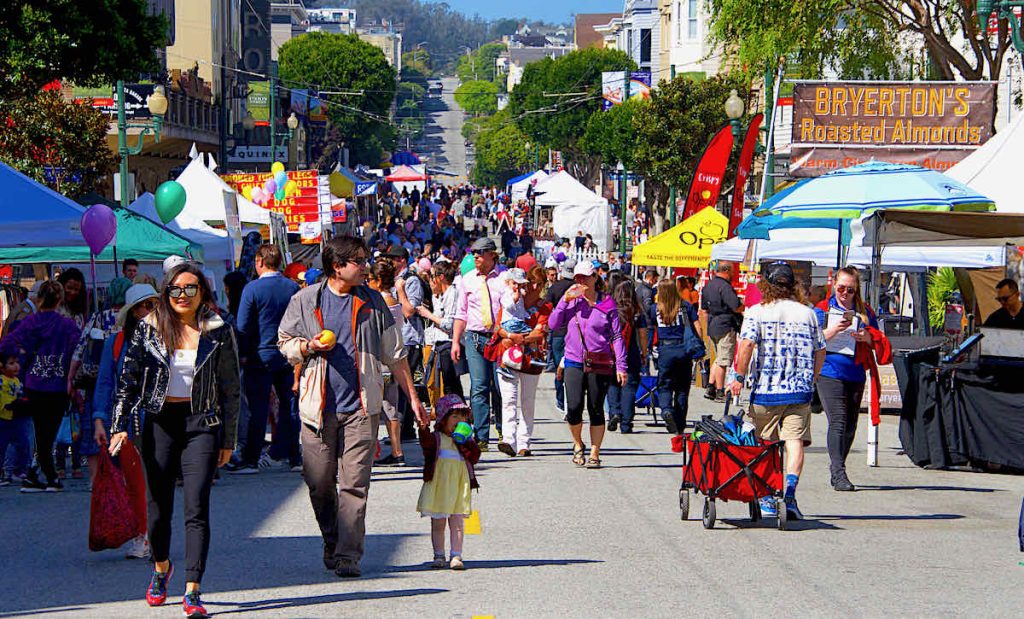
[876, 275]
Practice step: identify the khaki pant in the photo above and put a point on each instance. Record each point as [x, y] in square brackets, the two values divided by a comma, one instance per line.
[336, 467]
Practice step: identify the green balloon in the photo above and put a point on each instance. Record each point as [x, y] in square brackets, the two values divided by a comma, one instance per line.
[169, 200]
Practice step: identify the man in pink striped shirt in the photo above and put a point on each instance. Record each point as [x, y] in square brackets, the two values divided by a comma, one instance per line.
[477, 316]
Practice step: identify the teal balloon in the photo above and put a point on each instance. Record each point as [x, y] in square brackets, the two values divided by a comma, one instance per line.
[279, 194]
[169, 200]
[281, 178]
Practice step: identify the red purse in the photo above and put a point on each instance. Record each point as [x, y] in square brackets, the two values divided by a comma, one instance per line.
[602, 363]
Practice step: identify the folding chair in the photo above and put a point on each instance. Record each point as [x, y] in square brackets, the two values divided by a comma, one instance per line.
[647, 397]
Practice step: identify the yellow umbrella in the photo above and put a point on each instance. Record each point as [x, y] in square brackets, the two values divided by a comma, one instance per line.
[688, 245]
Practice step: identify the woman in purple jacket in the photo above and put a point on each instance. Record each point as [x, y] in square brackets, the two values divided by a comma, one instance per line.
[46, 340]
[595, 355]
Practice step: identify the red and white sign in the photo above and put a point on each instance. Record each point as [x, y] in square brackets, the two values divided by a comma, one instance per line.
[707, 179]
[742, 170]
[303, 207]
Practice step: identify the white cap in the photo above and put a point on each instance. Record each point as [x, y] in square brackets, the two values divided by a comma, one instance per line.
[172, 261]
[583, 268]
[517, 275]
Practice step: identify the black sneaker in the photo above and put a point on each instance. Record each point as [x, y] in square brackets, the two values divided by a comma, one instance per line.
[842, 483]
[670, 422]
[330, 561]
[347, 568]
[242, 469]
[54, 486]
[506, 449]
[613, 423]
[31, 484]
[391, 460]
[710, 393]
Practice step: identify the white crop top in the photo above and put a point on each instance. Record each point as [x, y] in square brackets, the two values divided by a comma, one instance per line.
[183, 369]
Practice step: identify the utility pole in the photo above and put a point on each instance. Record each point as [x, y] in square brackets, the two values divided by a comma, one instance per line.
[273, 111]
[671, 190]
[625, 176]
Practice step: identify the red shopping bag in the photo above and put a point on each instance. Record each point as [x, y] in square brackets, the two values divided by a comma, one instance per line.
[135, 482]
[112, 520]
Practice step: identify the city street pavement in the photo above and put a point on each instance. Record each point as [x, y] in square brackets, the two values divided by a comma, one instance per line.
[559, 541]
[442, 141]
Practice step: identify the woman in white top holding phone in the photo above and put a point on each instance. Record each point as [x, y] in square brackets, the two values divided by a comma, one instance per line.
[843, 318]
[179, 389]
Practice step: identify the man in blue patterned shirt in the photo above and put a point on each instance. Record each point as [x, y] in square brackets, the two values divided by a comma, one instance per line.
[790, 353]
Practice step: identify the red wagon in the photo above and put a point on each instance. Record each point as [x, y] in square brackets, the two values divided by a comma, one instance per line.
[728, 472]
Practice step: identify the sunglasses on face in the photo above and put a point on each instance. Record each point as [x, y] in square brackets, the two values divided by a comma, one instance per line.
[189, 290]
[149, 306]
[1005, 299]
[844, 289]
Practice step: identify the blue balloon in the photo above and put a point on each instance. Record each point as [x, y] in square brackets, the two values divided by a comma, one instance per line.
[281, 178]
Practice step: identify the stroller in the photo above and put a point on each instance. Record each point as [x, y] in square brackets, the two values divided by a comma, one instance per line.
[718, 469]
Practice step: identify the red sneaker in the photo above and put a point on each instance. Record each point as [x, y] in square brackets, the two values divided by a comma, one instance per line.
[193, 606]
[156, 595]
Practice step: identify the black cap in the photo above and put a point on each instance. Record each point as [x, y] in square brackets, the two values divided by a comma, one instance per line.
[397, 251]
[780, 274]
[483, 244]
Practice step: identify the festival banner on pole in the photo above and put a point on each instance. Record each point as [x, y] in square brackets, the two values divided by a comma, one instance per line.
[258, 102]
[300, 208]
[613, 87]
[640, 85]
[742, 171]
[706, 184]
[931, 124]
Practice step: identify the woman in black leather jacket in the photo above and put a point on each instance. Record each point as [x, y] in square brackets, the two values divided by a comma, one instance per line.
[179, 387]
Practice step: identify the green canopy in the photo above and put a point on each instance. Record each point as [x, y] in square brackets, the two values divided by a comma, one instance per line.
[137, 237]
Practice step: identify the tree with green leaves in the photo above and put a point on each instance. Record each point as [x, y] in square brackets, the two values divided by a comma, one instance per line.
[342, 62]
[501, 151]
[674, 127]
[479, 98]
[89, 43]
[480, 64]
[613, 135]
[556, 98]
[56, 142]
[861, 38]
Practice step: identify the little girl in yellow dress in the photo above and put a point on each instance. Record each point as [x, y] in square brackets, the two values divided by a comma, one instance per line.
[448, 478]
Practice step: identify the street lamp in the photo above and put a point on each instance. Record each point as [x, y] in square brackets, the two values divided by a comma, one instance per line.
[293, 122]
[621, 168]
[157, 105]
[734, 110]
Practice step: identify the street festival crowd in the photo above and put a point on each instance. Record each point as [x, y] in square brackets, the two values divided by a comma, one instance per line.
[378, 332]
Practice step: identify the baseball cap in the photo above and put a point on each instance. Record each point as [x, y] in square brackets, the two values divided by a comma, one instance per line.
[294, 270]
[517, 275]
[526, 262]
[583, 268]
[397, 251]
[312, 275]
[172, 261]
[566, 268]
[483, 244]
[780, 274]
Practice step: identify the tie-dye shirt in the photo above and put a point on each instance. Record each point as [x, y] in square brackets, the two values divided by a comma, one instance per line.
[787, 336]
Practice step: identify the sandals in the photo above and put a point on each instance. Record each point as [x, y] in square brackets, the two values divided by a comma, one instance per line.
[593, 463]
[577, 455]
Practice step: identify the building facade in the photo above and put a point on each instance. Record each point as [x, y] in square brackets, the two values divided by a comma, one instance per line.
[685, 47]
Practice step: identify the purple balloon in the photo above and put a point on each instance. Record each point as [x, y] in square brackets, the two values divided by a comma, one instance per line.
[270, 186]
[99, 225]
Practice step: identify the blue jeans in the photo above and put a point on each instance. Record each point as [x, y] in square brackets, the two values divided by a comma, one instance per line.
[483, 385]
[16, 445]
[674, 373]
[257, 381]
[622, 400]
[557, 352]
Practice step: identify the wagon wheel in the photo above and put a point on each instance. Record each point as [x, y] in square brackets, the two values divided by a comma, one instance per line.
[780, 505]
[709, 514]
[684, 504]
[755, 511]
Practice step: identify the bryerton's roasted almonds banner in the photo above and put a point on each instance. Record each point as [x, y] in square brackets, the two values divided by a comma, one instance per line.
[931, 124]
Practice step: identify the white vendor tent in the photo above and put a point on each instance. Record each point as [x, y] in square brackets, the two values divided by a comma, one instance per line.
[574, 208]
[519, 188]
[204, 192]
[992, 169]
[216, 243]
[818, 245]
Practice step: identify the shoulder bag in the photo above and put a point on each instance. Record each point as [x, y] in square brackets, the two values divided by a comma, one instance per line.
[602, 363]
[693, 347]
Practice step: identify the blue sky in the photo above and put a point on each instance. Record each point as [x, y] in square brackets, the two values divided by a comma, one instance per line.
[548, 10]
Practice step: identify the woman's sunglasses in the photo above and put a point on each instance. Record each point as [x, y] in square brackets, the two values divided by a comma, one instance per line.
[189, 290]
[149, 305]
[844, 289]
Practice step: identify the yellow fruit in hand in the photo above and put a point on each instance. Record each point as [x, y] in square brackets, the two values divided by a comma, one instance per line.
[327, 338]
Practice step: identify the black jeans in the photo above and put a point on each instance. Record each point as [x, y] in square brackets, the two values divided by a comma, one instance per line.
[622, 400]
[580, 385]
[441, 358]
[414, 357]
[675, 371]
[47, 412]
[841, 400]
[258, 381]
[173, 442]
